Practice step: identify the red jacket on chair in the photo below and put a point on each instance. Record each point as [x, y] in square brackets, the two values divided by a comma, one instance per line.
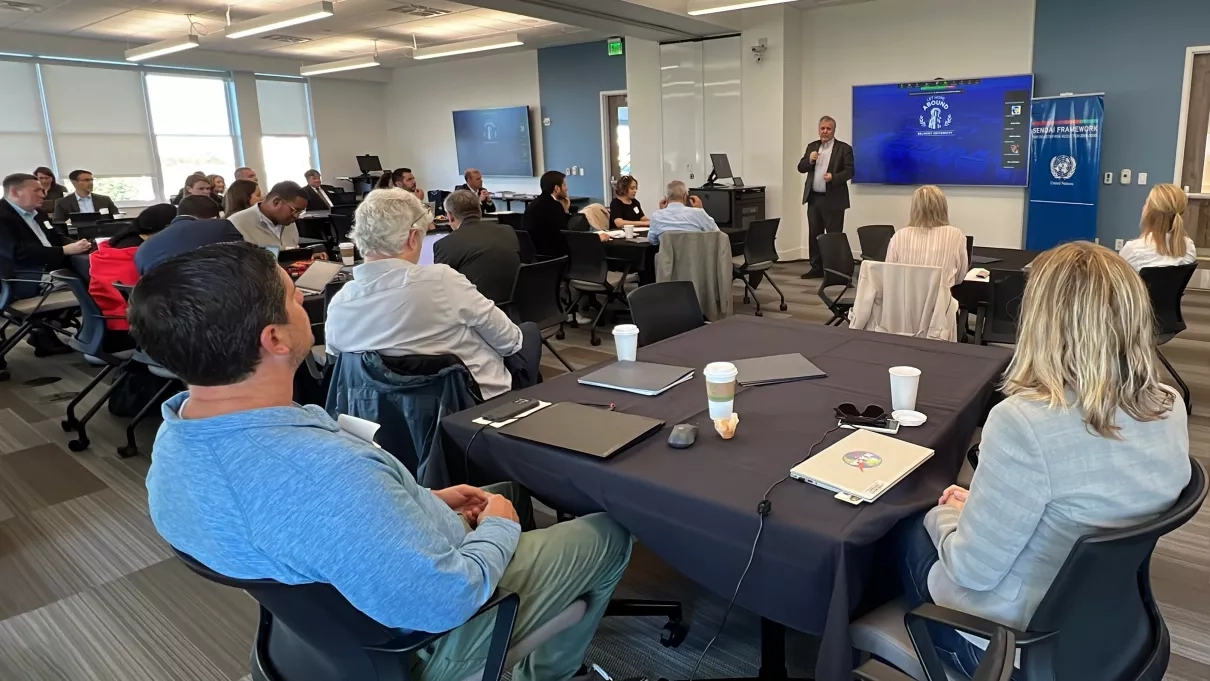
[108, 266]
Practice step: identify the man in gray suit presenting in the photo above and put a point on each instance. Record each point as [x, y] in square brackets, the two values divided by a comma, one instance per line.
[828, 163]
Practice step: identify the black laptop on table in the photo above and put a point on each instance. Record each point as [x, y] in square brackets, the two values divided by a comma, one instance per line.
[583, 429]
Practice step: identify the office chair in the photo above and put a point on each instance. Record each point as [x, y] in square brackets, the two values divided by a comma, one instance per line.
[341, 226]
[1099, 619]
[839, 269]
[875, 240]
[997, 322]
[664, 310]
[588, 274]
[89, 340]
[171, 381]
[535, 299]
[760, 252]
[311, 632]
[525, 244]
[1167, 287]
[997, 664]
[40, 303]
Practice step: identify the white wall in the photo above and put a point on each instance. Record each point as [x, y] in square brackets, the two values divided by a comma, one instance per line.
[889, 41]
[350, 120]
[420, 101]
[644, 97]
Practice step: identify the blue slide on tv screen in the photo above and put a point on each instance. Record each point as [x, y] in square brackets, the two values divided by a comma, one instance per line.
[495, 141]
[972, 131]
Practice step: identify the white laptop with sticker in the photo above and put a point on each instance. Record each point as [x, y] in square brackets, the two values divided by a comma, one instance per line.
[863, 465]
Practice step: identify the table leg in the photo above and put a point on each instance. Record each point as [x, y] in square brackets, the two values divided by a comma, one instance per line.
[772, 655]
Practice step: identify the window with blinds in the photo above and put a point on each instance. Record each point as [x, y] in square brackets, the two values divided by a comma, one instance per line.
[287, 137]
[191, 121]
[23, 138]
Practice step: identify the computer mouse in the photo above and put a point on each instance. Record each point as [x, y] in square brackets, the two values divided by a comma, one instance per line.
[683, 436]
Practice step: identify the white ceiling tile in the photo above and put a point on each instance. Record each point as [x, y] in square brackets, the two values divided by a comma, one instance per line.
[68, 19]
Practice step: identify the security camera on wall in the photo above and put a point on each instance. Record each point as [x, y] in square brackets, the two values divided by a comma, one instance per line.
[759, 49]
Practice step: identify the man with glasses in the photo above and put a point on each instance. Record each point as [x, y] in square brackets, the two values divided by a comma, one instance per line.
[271, 222]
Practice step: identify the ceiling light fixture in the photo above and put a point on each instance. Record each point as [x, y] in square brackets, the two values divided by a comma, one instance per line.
[342, 65]
[272, 22]
[700, 7]
[162, 48]
[467, 46]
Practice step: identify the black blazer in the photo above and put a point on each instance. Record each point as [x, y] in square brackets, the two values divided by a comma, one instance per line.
[489, 206]
[22, 253]
[486, 253]
[545, 219]
[69, 204]
[841, 167]
[314, 200]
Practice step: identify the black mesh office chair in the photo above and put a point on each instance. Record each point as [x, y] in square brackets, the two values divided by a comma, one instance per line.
[536, 299]
[588, 274]
[997, 664]
[997, 322]
[40, 303]
[579, 223]
[760, 252]
[171, 382]
[89, 340]
[525, 244]
[341, 226]
[1099, 619]
[839, 271]
[1167, 287]
[664, 310]
[875, 240]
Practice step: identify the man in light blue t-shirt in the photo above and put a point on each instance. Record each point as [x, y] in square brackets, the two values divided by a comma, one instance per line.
[255, 486]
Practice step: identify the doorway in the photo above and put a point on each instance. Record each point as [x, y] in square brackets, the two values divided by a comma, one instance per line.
[615, 120]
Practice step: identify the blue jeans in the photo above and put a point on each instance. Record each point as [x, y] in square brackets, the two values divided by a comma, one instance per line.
[916, 556]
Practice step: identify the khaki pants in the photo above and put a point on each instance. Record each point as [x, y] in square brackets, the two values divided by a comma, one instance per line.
[585, 557]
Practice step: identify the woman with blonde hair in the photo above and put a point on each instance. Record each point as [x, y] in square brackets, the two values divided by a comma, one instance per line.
[1163, 242]
[1087, 439]
[930, 239]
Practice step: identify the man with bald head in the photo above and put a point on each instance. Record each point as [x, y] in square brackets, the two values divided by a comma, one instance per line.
[679, 212]
[474, 184]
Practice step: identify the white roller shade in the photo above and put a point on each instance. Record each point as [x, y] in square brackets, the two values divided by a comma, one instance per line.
[284, 109]
[99, 120]
[23, 144]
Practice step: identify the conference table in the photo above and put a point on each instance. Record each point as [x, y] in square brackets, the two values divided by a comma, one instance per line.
[975, 295]
[696, 508]
[638, 254]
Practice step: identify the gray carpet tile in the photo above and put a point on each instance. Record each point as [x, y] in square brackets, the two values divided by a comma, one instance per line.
[88, 591]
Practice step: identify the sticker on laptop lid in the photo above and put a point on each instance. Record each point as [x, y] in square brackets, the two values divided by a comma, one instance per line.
[874, 489]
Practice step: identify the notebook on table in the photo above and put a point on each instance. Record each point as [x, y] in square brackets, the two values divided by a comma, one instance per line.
[776, 369]
[583, 429]
[642, 378]
[863, 465]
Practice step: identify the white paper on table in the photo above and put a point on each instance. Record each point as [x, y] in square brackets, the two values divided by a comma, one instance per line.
[104, 211]
[500, 424]
[977, 274]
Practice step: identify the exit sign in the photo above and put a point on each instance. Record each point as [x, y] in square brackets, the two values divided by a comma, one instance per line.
[615, 47]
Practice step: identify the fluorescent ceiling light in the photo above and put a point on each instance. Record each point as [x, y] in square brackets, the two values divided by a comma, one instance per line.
[699, 7]
[466, 46]
[272, 22]
[162, 48]
[342, 65]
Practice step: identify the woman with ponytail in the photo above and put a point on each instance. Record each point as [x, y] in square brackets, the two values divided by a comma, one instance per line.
[1163, 242]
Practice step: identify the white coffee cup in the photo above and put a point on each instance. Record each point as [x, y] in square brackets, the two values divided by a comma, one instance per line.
[629, 230]
[626, 340]
[720, 388]
[346, 253]
[905, 382]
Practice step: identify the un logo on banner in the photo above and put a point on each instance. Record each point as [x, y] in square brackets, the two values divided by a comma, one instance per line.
[1063, 167]
[936, 114]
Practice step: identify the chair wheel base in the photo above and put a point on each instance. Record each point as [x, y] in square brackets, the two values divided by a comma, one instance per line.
[784, 307]
[595, 342]
[127, 451]
[560, 335]
[674, 634]
[68, 426]
[760, 314]
[78, 445]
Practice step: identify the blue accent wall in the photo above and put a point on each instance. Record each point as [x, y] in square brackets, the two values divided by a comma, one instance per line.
[1134, 52]
[570, 82]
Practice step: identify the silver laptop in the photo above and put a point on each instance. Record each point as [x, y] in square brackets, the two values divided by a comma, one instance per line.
[317, 277]
[864, 465]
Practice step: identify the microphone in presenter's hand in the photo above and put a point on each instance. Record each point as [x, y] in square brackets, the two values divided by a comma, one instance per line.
[814, 156]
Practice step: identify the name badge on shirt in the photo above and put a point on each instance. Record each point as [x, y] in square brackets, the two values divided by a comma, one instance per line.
[636, 210]
[49, 227]
[104, 211]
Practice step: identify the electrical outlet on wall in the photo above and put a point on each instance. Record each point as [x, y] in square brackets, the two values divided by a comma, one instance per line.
[1142, 178]
[1108, 178]
[1118, 243]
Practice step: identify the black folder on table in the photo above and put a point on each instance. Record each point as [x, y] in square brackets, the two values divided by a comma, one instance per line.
[776, 369]
[583, 429]
[642, 378]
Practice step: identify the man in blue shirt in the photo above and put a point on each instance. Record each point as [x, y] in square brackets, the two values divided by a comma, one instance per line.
[679, 212]
[255, 486]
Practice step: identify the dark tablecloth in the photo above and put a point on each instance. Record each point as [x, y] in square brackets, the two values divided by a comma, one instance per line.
[696, 508]
[971, 294]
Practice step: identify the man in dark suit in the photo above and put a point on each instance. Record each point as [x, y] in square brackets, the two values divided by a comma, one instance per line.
[546, 216]
[28, 247]
[828, 163]
[82, 200]
[486, 253]
[317, 196]
[474, 184]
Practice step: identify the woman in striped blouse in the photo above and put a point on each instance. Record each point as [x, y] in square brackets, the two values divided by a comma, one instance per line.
[929, 239]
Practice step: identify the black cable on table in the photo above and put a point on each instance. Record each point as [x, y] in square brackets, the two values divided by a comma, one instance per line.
[762, 509]
[466, 453]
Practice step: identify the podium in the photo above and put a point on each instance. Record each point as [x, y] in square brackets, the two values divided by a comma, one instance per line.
[733, 208]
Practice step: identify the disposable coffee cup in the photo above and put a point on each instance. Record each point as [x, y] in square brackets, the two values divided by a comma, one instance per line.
[629, 230]
[346, 253]
[626, 340]
[720, 388]
[905, 382]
